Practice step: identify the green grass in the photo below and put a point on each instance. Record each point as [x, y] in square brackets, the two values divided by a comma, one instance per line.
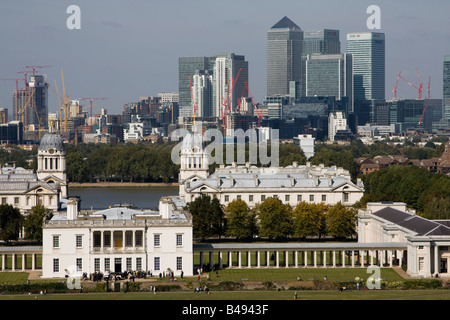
[250, 295]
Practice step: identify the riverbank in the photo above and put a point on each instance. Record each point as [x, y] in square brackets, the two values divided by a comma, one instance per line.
[121, 184]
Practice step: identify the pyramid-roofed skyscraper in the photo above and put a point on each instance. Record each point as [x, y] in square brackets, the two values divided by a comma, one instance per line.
[284, 50]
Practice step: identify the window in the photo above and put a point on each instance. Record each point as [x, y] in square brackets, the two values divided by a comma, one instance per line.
[16, 201]
[97, 264]
[299, 198]
[128, 239]
[107, 239]
[4, 200]
[250, 198]
[179, 240]
[286, 198]
[156, 240]
[421, 263]
[239, 197]
[138, 263]
[311, 198]
[107, 264]
[324, 198]
[129, 264]
[79, 241]
[227, 198]
[138, 239]
[157, 265]
[179, 263]
[79, 264]
[345, 197]
[55, 241]
[55, 265]
[263, 197]
[97, 240]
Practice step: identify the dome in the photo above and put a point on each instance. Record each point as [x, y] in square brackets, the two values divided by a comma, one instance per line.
[51, 141]
[192, 140]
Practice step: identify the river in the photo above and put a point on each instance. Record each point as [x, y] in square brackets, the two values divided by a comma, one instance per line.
[103, 198]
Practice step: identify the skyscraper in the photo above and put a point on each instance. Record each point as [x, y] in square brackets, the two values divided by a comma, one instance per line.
[368, 49]
[330, 75]
[446, 92]
[229, 77]
[325, 41]
[36, 111]
[187, 67]
[284, 56]
[202, 93]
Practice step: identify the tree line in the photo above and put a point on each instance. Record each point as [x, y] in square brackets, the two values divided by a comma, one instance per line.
[270, 219]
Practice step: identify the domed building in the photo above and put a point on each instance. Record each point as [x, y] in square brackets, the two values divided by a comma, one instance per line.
[24, 189]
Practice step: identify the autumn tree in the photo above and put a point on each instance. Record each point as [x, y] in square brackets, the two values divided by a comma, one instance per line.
[309, 219]
[241, 221]
[341, 221]
[275, 219]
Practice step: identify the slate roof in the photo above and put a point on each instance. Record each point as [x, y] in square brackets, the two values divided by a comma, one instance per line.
[417, 224]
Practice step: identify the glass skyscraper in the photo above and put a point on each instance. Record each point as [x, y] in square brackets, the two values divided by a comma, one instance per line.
[284, 53]
[368, 49]
[330, 75]
[446, 92]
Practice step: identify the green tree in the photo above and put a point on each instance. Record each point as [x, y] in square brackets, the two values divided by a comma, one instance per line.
[77, 168]
[207, 217]
[241, 221]
[275, 219]
[341, 221]
[33, 222]
[309, 219]
[10, 222]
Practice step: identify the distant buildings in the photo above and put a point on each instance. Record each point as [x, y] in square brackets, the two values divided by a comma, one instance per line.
[446, 90]
[284, 53]
[337, 125]
[368, 49]
[307, 143]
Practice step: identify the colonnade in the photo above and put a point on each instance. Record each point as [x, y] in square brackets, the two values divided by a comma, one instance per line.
[14, 258]
[240, 256]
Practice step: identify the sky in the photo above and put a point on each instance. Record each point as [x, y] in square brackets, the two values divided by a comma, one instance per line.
[128, 49]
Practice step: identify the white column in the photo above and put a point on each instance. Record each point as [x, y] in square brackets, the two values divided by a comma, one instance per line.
[371, 257]
[324, 258]
[436, 260]
[334, 258]
[277, 257]
[13, 262]
[249, 259]
[220, 260]
[362, 255]
[353, 258]
[305, 256]
[343, 257]
[258, 259]
[23, 261]
[287, 259]
[296, 258]
[230, 259]
[239, 259]
[315, 259]
[33, 261]
[268, 258]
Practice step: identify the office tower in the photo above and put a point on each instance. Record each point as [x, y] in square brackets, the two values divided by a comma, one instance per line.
[337, 123]
[368, 49]
[325, 41]
[36, 111]
[230, 73]
[202, 92]
[187, 66]
[330, 75]
[284, 53]
[3, 115]
[446, 92]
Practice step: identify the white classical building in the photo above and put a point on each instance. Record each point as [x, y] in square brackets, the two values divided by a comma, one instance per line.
[291, 184]
[427, 241]
[47, 186]
[118, 240]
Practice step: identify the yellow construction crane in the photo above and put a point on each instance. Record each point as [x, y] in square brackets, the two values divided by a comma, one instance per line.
[63, 102]
[66, 100]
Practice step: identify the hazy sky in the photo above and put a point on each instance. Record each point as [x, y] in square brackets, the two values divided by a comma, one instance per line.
[126, 49]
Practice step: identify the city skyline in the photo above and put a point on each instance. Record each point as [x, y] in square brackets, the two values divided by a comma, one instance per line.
[116, 54]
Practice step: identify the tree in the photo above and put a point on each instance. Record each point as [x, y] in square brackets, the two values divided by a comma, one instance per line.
[33, 222]
[10, 222]
[341, 221]
[241, 222]
[77, 168]
[309, 219]
[275, 219]
[207, 217]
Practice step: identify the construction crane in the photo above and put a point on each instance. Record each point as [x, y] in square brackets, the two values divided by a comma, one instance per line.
[90, 102]
[17, 93]
[227, 103]
[429, 89]
[21, 111]
[65, 100]
[423, 114]
[419, 88]
[35, 67]
[394, 90]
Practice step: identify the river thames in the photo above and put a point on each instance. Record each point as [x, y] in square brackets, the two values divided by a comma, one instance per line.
[103, 198]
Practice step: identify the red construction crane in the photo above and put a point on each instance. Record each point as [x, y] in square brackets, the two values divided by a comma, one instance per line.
[35, 67]
[227, 102]
[17, 93]
[90, 102]
[394, 90]
[419, 89]
[423, 114]
[258, 111]
[429, 90]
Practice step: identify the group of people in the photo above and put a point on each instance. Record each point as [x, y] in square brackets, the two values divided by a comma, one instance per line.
[108, 276]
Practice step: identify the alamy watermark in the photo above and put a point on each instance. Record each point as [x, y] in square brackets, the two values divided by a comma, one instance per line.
[74, 20]
[374, 21]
